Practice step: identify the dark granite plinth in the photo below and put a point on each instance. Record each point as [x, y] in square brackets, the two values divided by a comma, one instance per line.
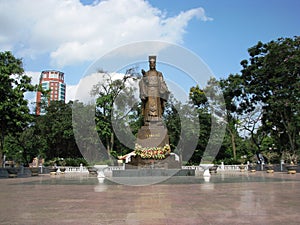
[152, 172]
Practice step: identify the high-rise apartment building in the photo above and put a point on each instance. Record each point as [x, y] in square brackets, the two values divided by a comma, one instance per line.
[53, 81]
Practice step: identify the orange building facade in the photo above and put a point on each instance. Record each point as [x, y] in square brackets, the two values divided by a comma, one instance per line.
[53, 81]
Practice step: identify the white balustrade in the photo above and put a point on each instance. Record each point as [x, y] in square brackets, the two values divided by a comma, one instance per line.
[222, 167]
[78, 169]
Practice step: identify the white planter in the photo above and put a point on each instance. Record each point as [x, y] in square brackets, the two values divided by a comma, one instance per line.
[100, 170]
[206, 167]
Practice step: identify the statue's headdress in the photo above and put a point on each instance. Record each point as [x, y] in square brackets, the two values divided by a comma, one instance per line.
[152, 58]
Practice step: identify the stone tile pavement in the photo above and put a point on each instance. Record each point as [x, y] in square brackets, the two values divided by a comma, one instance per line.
[237, 198]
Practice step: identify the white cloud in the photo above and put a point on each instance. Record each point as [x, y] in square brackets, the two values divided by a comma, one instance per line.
[72, 33]
[82, 91]
[71, 92]
[35, 76]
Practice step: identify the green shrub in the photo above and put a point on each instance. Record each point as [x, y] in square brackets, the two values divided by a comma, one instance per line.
[75, 162]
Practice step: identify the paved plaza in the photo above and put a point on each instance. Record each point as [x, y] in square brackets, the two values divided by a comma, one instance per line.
[229, 198]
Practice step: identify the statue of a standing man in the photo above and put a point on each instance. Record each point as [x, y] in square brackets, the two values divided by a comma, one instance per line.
[153, 93]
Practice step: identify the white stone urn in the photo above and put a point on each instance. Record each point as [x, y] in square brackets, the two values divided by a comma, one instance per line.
[100, 170]
[205, 167]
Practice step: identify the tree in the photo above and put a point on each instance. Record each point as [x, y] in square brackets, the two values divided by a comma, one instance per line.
[211, 113]
[251, 123]
[272, 77]
[23, 146]
[232, 88]
[109, 92]
[264, 98]
[87, 139]
[218, 112]
[200, 101]
[172, 120]
[56, 130]
[14, 112]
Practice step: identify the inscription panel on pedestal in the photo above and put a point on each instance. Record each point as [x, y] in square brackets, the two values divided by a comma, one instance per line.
[152, 136]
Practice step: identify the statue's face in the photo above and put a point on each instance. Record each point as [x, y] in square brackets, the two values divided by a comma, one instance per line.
[152, 64]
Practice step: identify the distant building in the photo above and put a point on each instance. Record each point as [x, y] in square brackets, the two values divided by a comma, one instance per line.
[54, 81]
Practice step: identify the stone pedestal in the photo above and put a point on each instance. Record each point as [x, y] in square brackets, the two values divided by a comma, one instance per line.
[154, 135]
[133, 173]
[138, 163]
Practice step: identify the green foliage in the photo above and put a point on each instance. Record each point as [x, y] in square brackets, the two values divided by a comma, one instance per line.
[56, 131]
[232, 88]
[14, 112]
[272, 77]
[48, 136]
[172, 120]
[114, 154]
[23, 146]
[113, 98]
[198, 97]
[199, 100]
[75, 161]
[267, 94]
[85, 133]
[182, 122]
[66, 162]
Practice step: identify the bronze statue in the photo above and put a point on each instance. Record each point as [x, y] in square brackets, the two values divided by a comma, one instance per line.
[153, 92]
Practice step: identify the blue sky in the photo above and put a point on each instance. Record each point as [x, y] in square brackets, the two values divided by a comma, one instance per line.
[63, 35]
[237, 25]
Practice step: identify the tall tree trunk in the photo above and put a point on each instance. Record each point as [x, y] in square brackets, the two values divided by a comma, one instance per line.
[290, 132]
[2, 146]
[232, 137]
[108, 147]
[112, 141]
[233, 146]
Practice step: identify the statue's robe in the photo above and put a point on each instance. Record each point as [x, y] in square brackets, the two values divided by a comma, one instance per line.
[153, 93]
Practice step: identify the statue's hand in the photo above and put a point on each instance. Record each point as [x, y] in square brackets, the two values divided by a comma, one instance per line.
[143, 72]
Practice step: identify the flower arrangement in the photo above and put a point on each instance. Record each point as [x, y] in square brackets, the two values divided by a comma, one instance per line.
[290, 157]
[271, 156]
[152, 152]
